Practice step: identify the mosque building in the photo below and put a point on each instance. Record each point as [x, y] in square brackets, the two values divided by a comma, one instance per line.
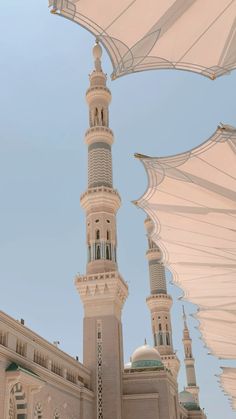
[38, 380]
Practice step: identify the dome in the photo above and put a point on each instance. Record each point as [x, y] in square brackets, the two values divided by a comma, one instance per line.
[146, 357]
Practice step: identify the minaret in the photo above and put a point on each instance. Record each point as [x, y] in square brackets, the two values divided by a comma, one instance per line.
[159, 303]
[189, 362]
[102, 289]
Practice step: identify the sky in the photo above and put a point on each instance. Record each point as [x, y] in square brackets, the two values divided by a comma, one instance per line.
[44, 65]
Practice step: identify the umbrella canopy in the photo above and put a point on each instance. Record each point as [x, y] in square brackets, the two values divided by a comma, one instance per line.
[194, 35]
[191, 198]
[228, 383]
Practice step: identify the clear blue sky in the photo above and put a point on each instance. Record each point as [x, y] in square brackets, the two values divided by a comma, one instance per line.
[45, 61]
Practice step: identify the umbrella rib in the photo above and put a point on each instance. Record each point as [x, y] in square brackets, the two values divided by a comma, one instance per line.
[118, 17]
[204, 32]
[195, 232]
[193, 202]
[217, 168]
[189, 245]
[204, 222]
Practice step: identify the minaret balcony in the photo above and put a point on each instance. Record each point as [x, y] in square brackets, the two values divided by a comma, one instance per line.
[154, 253]
[159, 301]
[103, 293]
[98, 92]
[100, 197]
[98, 133]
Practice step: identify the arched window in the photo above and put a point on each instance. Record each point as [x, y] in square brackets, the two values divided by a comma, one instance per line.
[17, 402]
[96, 117]
[102, 117]
[108, 256]
[167, 336]
[38, 411]
[56, 415]
[98, 253]
[108, 235]
[160, 334]
[97, 234]
[89, 253]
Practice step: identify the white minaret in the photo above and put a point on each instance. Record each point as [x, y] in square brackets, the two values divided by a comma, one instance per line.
[189, 362]
[102, 289]
[159, 303]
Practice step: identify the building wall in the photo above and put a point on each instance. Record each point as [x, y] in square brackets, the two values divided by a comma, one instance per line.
[42, 382]
[154, 393]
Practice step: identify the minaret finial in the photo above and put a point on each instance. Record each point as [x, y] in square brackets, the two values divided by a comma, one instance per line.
[97, 54]
[185, 318]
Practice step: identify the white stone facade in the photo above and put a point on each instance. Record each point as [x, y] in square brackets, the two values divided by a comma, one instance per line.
[37, 379]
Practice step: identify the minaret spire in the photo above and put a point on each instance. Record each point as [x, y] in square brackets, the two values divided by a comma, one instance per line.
[97, 54]
[189, 362]
[159, 303]
[102, 289]
[184, 318]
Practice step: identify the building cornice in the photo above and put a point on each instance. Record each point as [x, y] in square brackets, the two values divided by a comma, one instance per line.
[11, 325]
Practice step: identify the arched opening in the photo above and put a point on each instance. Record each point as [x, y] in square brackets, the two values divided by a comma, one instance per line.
[96, 117]
[167, 336]
[17, 403]
[98, 253]
[89, 253]
[160, 336]
[102, 117]
[108, 235]
[108, 256]
[38, 411]
[97, 234]
[56, 415]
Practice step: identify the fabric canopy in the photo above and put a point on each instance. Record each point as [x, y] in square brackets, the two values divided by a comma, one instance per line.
[194, 35]
[228, 384]
[191, 198]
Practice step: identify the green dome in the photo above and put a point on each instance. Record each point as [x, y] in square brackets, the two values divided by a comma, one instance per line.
[146, 357]
[187, 400]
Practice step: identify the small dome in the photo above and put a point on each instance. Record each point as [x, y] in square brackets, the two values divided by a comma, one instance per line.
[146, 357]
[97, 51]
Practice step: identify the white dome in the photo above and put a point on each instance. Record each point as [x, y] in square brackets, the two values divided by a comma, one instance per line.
[146, 357]
[146, 353]
[186, 397]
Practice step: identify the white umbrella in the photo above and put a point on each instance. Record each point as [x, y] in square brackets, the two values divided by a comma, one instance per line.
[191, 198]
[193, 35]
[228, 383]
